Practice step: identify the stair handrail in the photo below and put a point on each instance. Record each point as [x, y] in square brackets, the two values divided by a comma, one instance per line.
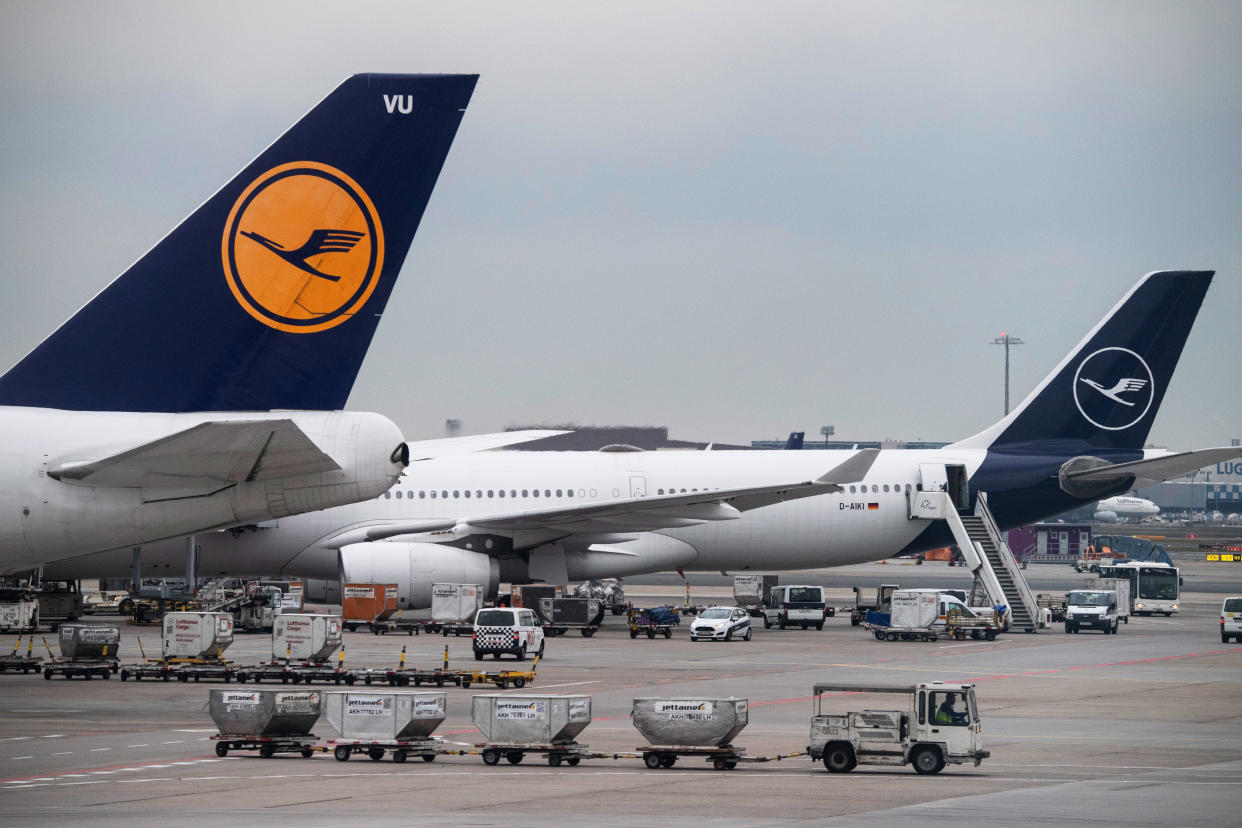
[976, 560]
[1007, 557]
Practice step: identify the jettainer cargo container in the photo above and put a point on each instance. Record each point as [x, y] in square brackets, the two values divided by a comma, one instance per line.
[515, 725]
[197, 635]
[305, 637]
[89, 641]
[696, 722]
[270, 721]
[385, 715]
[455, 603]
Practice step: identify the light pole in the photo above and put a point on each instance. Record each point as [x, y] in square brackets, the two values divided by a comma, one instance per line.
[1007, 340]
[827, 431]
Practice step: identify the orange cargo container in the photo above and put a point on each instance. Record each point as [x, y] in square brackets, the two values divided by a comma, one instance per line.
[364, 603]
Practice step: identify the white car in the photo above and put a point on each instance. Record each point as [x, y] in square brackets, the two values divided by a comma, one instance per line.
[1231, 620]
[721, 624]
[513, 630]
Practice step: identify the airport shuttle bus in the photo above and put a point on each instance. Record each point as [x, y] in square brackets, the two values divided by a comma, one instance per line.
[1154, 587]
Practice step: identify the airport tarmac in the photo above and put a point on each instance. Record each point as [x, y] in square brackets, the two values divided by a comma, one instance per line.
[1142, 728]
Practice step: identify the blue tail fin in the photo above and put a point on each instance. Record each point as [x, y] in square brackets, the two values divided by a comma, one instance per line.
[795, 440]
[268, 295]
[1105, 394]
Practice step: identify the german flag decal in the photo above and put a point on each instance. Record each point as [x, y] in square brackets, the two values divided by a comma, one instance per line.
[873, 507]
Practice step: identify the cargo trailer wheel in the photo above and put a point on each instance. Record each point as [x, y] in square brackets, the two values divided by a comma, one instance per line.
[890, 636]
[819, 625]
[652, 760]
[668, 633]
[47, 674]
[376, 754]
[342, 753]
[854, 622]
[927, 759]
[491, 756]
[839, 758]
[990, 635]
[573, 761]
[668, 760]
[515, 757]
[165, 675]
[651, 634]
[554, 760]
[429, 757]
[879, 636]
[399, 756]
[267, 751]
[349, 681]
[633, 633]
[125, 675]
[222, 749]
[519, 682]
[720, 764]
[308, 752]
[586, 633]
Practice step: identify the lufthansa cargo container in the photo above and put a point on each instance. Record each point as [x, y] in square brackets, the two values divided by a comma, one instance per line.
[197, 634]
[305, 637]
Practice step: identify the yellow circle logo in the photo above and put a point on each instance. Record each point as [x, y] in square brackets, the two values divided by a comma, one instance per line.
[303, 248]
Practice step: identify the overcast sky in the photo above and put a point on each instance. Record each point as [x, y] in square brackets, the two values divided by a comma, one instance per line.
[736, 220]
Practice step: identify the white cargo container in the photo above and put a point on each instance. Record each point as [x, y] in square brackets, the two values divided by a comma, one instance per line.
[696, 722]
[197, 634]
[535, 720]
[89, 641]
[455, 603]
[915, 608]
[305, 637]
[385, 715]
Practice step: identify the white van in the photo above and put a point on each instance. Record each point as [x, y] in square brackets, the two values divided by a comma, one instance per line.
[1231, 619]
[796, 605]
[514, 630]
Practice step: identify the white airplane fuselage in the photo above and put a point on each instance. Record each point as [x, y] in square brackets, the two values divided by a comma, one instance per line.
[867, 523]
[43, 519]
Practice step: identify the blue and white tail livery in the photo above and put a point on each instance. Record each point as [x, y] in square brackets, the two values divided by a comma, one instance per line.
[268, 295]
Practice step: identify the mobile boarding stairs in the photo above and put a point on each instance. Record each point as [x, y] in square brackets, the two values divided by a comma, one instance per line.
[997, 576]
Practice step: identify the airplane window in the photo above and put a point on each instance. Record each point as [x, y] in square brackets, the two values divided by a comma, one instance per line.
[659, 491]
[387, 495]
[456, 494]
[468, 491]
[525, 493]
[513, 493]
[535, 492]
[569, 492]
[851, 489]
[907, 488]
[399, 495]
[478, 492]
[683, 491]
[886, 487]
[491, 493]
[422, 495]
[558, 493]
[444, 493]
[501, 492]
[433, 494]
[547, 492]
[874, 488]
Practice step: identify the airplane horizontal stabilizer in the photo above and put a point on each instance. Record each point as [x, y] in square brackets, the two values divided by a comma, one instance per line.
[1156, 469]
[204, 459]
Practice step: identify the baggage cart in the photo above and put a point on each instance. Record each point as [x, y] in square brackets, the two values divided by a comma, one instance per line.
[513, 726]
[677, 727]
[564, 614]
[103, 667]
[89, 641]
[376, 722]
[268, 721]
[652, 622]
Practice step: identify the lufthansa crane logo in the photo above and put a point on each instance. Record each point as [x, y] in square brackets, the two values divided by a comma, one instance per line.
[1113, 388]
[303, 248]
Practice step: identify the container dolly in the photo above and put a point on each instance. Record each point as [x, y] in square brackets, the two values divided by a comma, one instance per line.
[26, 663]
[104, 667]
[401, 750]
[268, 746]
[641, 621]
[722, 757]
[502, 678]
[569, 753]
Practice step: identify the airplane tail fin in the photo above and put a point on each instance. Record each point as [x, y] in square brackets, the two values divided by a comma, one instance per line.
[1106, 392]
[795, 440]
[268, 295]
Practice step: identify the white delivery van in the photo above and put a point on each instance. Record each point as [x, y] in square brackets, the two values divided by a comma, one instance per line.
[1092, 608]
[1231, 619]
[797, 605]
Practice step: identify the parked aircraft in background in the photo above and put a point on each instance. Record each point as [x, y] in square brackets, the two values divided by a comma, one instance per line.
[201, 388]
[1124, 507]
[562, 516]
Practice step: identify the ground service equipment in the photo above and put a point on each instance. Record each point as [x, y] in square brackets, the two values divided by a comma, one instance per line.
[678, 727]
[513, 726]
[269, 721]
[376, 722]
[938, 724]
[367, 604]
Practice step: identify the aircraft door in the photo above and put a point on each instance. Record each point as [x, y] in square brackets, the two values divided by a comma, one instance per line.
[638, 485]
[959, 486]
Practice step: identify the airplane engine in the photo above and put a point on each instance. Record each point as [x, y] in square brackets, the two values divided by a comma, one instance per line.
[414, 567]
[1106, 517]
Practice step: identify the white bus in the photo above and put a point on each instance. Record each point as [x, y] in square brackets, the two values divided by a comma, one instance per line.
[1154, 587]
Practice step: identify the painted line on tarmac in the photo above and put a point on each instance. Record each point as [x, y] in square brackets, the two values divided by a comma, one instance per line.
[113, 768]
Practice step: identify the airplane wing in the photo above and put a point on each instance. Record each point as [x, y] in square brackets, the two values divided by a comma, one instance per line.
[626, 515]
[203, 459]
[451, 446]
[1158, 469]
